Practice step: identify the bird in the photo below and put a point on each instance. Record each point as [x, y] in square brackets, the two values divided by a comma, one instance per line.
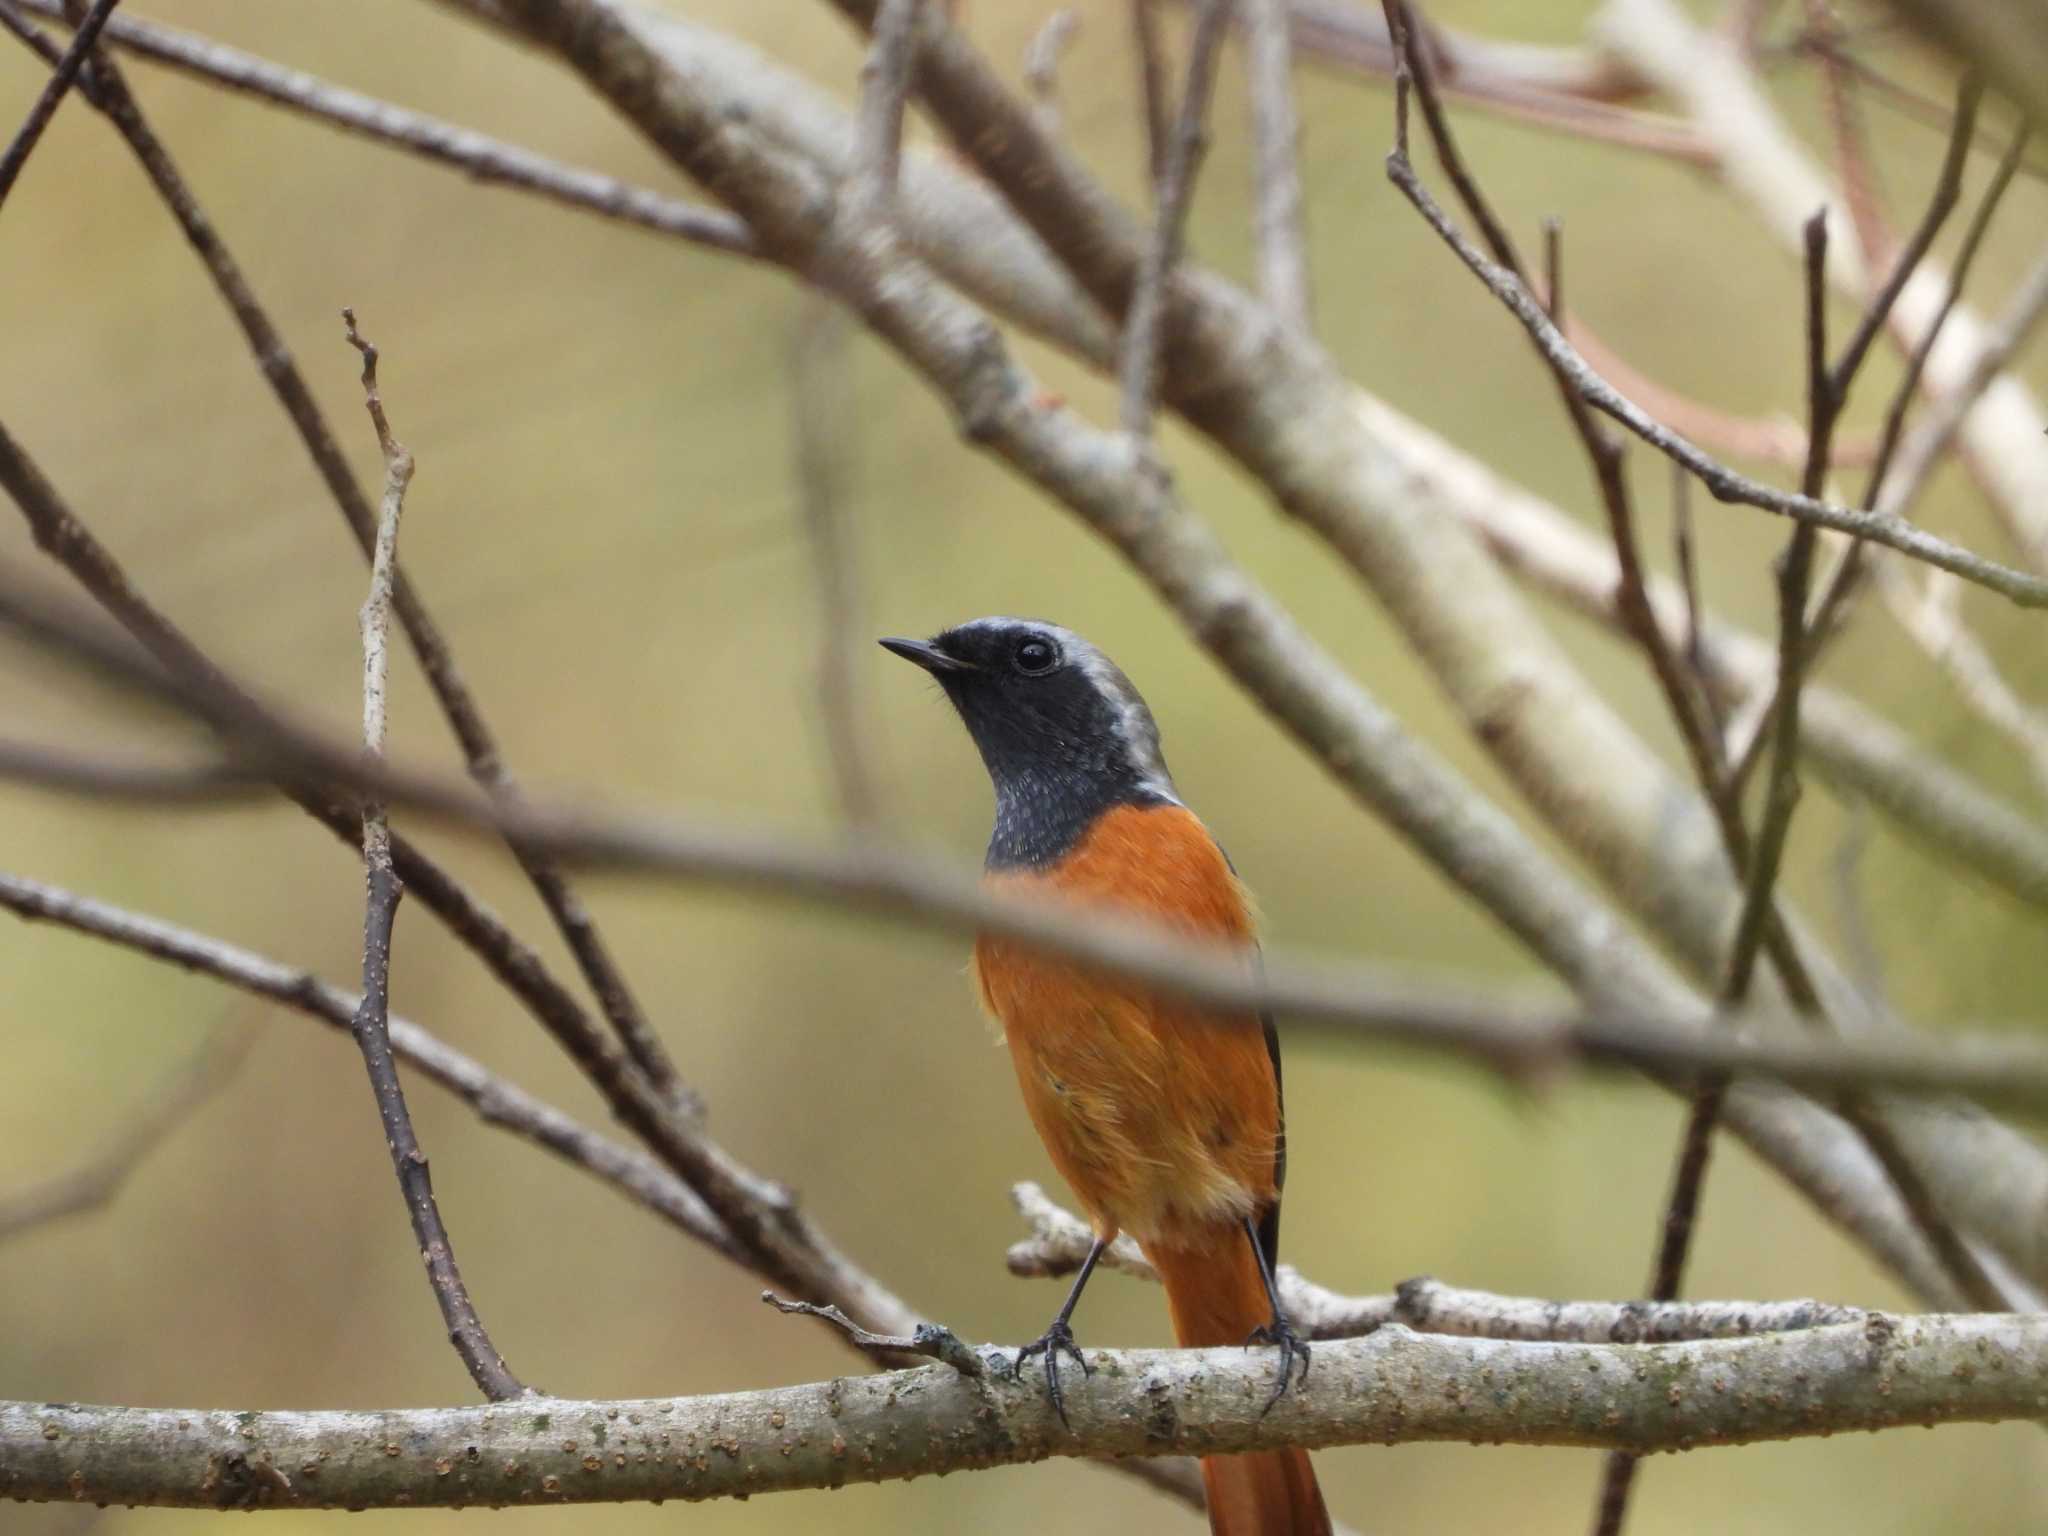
[1165, 1118]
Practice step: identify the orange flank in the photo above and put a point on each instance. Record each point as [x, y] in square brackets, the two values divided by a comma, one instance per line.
[1164, 1118]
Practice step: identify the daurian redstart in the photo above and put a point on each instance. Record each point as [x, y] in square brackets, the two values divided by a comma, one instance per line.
[1164, 1118]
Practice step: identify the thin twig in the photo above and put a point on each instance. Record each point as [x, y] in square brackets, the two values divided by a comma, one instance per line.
[1042, 65]
[100, 1176]
[44, 107]
[1276, 130]
[372, 1024]
[1174, 190]
[931, 1340]
[1684, 556]
[1916, 363]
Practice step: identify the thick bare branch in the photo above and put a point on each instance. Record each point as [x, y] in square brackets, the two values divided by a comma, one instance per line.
[1393, 1386]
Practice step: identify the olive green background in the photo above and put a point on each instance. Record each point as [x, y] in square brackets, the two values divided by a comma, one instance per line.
[606, 523]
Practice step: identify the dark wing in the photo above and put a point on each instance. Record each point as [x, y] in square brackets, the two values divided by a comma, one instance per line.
[1269, 1218]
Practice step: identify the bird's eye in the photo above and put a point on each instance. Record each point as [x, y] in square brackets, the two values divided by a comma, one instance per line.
[1035, 655]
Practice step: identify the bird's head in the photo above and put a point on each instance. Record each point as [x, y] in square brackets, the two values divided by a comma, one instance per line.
[1062, 731]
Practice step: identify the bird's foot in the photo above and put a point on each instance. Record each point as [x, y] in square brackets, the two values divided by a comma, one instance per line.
[1293, 1348]
[1055, 1341]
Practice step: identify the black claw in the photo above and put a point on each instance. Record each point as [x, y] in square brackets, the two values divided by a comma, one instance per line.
[1292, 1346]
[1056, 1340]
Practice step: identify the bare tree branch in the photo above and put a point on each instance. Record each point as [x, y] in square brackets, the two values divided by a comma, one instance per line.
[1060, 1241]
[372, 1023]
[1874, 1374]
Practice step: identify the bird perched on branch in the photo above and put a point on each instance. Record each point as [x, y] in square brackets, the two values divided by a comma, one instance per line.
[1164, 1117]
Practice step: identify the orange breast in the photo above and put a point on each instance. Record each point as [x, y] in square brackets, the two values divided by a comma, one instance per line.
[1163, 1117]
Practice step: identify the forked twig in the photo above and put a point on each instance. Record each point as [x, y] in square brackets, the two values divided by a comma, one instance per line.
[931, 1340]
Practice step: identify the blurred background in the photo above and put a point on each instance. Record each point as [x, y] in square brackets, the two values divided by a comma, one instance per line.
[606, 522]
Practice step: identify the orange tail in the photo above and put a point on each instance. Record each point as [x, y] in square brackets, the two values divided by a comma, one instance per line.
[1217, 1298]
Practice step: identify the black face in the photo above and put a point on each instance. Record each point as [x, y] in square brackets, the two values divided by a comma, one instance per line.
[1063, 733]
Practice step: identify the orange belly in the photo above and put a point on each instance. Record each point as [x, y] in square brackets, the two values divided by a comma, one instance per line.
[1163, 1117]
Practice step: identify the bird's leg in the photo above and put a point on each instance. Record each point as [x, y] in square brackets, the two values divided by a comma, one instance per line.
[1277, 1331]
[1060, 1338]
